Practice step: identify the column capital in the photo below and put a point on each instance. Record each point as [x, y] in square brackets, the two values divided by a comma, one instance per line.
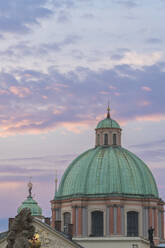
[117, 205]
[74, 206]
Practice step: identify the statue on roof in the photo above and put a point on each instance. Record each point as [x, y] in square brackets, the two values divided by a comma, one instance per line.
[22, 230]
[150, 236]
[30, 186]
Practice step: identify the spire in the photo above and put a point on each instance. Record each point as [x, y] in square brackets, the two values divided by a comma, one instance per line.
[30, 186]
[108, 112]
[56, 181]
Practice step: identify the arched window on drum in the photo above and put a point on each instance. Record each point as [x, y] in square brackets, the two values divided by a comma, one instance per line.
[98, 139]
[132, 224]
[105, 139]
[67, 221]
[114, 139]
[97, 228]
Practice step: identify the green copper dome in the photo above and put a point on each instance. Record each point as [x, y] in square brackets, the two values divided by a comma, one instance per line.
[107, 171]
[108, 123]
[33, 205]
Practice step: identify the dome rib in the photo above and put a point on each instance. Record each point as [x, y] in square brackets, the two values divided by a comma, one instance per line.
[148, 187]
[106, 168]
[120, 171]
[132, 171]
[87, 171]
[63, 180]
[143, 185]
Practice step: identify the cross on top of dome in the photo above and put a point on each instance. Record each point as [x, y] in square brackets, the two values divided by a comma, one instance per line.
[108, 112]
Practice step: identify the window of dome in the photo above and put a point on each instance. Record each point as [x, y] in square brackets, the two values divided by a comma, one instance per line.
[132, 224]
[105, 139]
[114, 139]
[67, 221]
[97, 224]
[98, 139]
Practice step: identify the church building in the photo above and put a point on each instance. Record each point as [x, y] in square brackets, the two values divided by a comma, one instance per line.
[109, 195]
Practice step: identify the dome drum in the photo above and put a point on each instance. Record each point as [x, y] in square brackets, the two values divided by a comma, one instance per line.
[106, 137]
[115, 214]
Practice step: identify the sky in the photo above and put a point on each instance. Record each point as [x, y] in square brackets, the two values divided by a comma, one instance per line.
[61, 62]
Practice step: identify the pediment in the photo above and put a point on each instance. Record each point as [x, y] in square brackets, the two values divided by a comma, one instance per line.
[49, 238]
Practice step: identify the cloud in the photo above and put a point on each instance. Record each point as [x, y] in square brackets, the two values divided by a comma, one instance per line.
[20, 16]
[136, 59]
[63, 3]
[153, 41]
[150, 118]
[158, 155]
[150, 144]
[20, 91]
[127, 3]
[146, 88]
[88, 16]
[117, 56]
[144, 103]
[26, 49]
[63, 16]
[151, 151]
[53, 99]
[41, 168]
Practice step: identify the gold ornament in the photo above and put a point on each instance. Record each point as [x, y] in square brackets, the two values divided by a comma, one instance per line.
[35, 242]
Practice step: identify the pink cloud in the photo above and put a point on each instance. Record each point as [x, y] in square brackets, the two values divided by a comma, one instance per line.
[59, 110]
[8, 185]
[117, 94]
[45, 97]
[76, 127]
[104, 92]
[12, 127]
[20, 91]
[112, 87]
[146, 88]
[3, 92]
[152, 117]
[144, 103]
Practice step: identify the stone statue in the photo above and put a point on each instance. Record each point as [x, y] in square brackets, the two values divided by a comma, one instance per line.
[21, 230]
[150, 236]
[30, 186]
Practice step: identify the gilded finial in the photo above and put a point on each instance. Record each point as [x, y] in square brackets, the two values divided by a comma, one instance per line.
[30, 186]
[108, 111]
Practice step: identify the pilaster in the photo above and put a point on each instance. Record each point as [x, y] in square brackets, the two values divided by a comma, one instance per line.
[111, 220]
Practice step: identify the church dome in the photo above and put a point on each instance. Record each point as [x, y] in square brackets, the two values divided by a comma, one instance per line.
[107, 171]
[33, 205]
[107, 123]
